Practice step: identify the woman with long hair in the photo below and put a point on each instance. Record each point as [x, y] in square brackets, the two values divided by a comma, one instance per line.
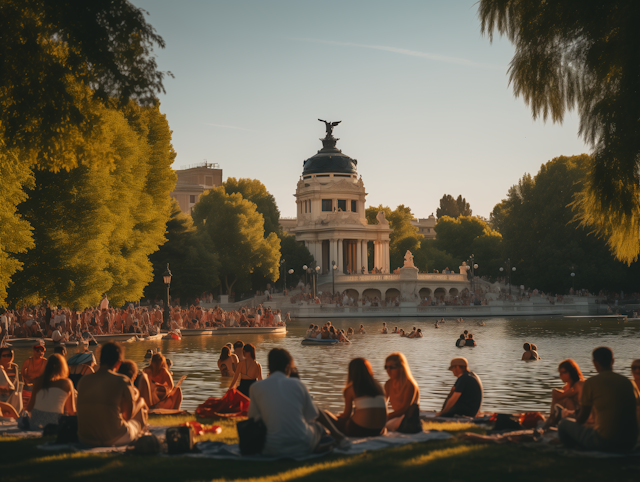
[403, 394]
[249, 370]
[53, 394]
[163, 394]
[10, 402]
[365, 407]
[227, 362]
[565, 401]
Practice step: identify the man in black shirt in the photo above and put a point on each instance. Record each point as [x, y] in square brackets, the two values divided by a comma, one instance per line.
[465, 397]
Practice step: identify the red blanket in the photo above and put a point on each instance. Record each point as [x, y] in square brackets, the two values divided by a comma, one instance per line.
[233, 404]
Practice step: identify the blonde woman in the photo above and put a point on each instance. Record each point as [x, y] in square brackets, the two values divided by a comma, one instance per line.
[53, 394]
[161, 384]
[402, 392]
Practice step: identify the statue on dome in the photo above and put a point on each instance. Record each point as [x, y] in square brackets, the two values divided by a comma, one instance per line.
[329, 126]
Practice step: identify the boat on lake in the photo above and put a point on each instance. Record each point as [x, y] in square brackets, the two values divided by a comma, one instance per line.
[251, 330]
[197, 332]
[320, 341]
[148, 337]
[119, 337]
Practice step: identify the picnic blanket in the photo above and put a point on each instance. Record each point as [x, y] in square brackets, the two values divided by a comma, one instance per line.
[430, 416]
[9, 426]
[219, 450]
[232, 404]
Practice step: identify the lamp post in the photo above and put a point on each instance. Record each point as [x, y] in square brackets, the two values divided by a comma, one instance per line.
[167, 281]
[573, 282]
[334, 267]
[315, 281]
[290, 273]
[305, 268]
[283, 267]
[509, 270]
[473, 267]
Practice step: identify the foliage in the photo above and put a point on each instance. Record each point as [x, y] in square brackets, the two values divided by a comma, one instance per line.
[95, 225]
[404, 236]
[58, 59]
[236, 229]
[453, 207]
[574, 55]
[190, 254]
[296, 255]
[15, 232]
[256, 192]
[544, 242]
[429, 257]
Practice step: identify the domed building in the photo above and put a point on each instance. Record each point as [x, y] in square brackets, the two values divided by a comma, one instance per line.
[331, 218]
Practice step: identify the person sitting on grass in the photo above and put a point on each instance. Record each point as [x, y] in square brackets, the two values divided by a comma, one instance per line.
[565, 401]
[401, 391]
[80, 364]
[614, 400]
[11, 373]
[365, 411]
[53, 394]
[163, 394]
[465, 397]
[285, 406]
[110, 413]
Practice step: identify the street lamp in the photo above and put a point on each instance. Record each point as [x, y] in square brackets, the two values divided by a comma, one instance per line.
[315, 282]
[473, 267]
[167, 281]
[283, 267]
[334, 267]
[305, 268]
[509, 270]
[573, 282]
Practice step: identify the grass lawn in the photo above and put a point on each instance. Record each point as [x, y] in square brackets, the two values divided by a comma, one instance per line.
[452, 459]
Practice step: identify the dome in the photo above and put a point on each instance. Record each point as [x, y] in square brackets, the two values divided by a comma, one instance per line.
[329, 159]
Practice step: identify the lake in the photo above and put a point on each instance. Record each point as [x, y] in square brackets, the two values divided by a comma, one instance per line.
[509, 383]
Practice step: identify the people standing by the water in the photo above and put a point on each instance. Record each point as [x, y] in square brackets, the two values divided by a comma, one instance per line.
[403, 394]
[227, 362]
[237, 350]
[465, 397]
[248, 370]
[613, 398]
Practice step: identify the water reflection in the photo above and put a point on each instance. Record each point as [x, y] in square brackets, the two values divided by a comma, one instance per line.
[509, 383]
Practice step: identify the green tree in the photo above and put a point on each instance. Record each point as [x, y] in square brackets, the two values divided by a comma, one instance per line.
[15, 231]
[571, 55]
[429, 257]
[543, 240]
[296, 255]
[236, 229]
[404, 236]
[58, 59]
[453, 207]
[456, 236]
[191, 256]
[256, 192]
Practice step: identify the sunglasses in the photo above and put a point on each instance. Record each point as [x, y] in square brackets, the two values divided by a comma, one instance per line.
[38, 348]
[7, 355]
[635, 368]
[390, 367]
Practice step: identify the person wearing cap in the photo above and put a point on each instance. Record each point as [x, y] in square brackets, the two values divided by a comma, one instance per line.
[33, 367]
[465, 397]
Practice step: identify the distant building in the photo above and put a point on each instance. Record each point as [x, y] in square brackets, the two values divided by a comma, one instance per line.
[426, 226]
[193, 181]
[287, 224]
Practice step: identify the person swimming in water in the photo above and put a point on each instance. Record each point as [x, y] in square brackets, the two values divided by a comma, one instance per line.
[384, 330]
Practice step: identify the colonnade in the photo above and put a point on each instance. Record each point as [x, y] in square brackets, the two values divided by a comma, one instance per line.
[351, 255]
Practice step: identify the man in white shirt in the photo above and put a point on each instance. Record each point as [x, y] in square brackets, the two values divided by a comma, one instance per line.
[286, 408]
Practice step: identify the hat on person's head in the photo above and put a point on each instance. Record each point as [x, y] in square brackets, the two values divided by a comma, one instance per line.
[39, 342]
[459, 362]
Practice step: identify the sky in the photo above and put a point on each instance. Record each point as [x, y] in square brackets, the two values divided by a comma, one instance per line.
[423, 97]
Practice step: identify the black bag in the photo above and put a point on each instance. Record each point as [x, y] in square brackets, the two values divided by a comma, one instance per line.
[67, 429]
[253, 435]
[411, 421]
[180, 440]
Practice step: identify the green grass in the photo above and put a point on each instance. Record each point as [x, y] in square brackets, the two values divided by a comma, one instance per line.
[452, 459]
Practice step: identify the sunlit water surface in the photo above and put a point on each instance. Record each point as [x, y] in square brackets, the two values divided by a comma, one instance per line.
[509, 384]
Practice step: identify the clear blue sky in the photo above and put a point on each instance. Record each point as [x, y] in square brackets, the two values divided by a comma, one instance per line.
[423, 97]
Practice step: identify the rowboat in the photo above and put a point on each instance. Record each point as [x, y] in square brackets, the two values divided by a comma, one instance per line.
[148, 337]
[198, 332]
[321, 342]
[251, 330]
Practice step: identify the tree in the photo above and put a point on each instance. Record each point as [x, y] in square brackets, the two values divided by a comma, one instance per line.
[428, 257]
[404, 236]
[236, 229]
[456, 236]
[544, 241]
[256, 192]
[15, 234]
[95, 225]
[295, 254]
[571, 55]
[58, 59]
[453, 207]
[191, 256]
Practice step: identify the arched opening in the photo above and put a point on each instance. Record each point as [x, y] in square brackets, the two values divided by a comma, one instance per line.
[453, 292]
[391, 294]
[440, 292]
[351, 293]
[424, 293]
[371, 293]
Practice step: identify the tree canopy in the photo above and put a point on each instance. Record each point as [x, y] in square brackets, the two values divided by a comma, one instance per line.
[256, 192]
[58, 59]
[453, 207]
[404, 236]
[575, 55]
[236, 229]
[543, 240]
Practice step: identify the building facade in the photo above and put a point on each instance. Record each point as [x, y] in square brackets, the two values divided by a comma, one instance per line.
[193, 181]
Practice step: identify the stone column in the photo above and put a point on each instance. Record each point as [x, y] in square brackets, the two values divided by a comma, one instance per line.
[359, 256]
[333, 249]
[365, 256]
[385, 256]
[376, 254]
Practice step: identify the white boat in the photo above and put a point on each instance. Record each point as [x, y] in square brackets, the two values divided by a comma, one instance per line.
[321, 342]
[246, 330]
[119, 337]
[148, 337]
[198, 332]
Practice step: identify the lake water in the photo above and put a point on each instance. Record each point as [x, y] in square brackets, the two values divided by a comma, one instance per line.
[509, 383]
